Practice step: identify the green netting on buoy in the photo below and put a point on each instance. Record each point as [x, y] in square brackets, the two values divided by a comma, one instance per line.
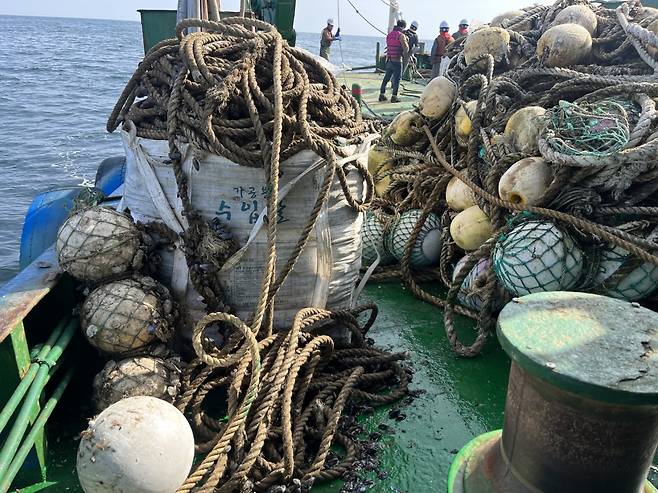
[427, 249]
[372, 237]
[537, 256]
[587, 129]
[621, 275]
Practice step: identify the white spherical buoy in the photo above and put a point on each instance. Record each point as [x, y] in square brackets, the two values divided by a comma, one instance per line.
[565, 45]
[459, 195]
[138, 445]
[635, 285]
[97, 243]
[578, 14]
[488, 40]
[471, 228]
[437, 98]
[124, 316]
[470, 293]
[372, 239]
[537, 256]
[427, 249]
[131, 377]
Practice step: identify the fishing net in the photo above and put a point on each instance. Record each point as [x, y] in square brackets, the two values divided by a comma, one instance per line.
[373, 233]
[472, 291]
[98, 243]
[125, 317]
[537, 256]
[131, 377]
[587, 129]
[426, 249]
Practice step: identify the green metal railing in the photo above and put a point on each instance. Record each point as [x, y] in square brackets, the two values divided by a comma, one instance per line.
[17, 445]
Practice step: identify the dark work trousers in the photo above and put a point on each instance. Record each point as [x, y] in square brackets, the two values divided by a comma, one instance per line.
[393, 71]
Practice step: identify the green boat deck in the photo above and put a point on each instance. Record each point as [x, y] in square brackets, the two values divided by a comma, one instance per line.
[458, 400]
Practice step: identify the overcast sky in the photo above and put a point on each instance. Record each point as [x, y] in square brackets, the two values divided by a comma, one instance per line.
[311, 15]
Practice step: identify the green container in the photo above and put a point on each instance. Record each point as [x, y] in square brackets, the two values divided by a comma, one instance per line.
[157, 25]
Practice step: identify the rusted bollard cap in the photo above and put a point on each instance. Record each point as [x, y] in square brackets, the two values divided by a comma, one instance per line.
[594, 346]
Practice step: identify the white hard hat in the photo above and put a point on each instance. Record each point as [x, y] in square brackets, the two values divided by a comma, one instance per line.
[444, 25]
[330, 21]
[414, 24]
[463, 22]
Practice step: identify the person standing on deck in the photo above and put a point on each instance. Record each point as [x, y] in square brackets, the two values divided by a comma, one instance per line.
[412, 38]
[397, 48]
[327, 37]
[438, 56]
[463, 30]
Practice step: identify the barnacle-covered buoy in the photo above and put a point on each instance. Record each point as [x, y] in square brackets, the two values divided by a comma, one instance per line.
[131, 377]
[577, 14]
[406, 128]
[459, 195]
[537, 256]
[463, 122]
[372, 238]
[379, 162]
[470, 293]
[491, 40]
[523, 128]
[437, 98]
[526, 181]
[427, 249]
[564, 45]
[137, 445]
[97, 243]
[125, 316]
[471, 228]
[635, 285]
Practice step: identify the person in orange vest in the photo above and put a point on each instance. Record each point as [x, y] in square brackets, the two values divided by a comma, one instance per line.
[438, 55]
[463, 30]
[397, 47]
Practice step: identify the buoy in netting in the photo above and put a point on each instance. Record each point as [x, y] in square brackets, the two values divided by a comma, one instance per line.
[97, 243]
[137, 445]
[537, 256]
[372, 239]
[427, 249]
[621, 275]
[471, 293]
[123, 317]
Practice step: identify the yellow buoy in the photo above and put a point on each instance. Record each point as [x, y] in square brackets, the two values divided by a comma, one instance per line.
[471, 228]
[437, 98]
[491, 40]
[523, 127]
[525, 181]
[406, 128]
[577, 14]
[379, 162]
[463, 123]
[565, 45]
[459, 196]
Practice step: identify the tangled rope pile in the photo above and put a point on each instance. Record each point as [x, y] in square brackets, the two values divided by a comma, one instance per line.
[236, 89]
[600, 140]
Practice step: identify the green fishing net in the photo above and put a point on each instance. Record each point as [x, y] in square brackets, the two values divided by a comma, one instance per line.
[621, 275]
[587, 129]
[372, 237]
[427, 249]
[537, 256]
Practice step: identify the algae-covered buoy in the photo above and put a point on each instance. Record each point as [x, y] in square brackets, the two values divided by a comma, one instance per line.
[406, 128]
[501, 20]
[427, 249]
[437, 98]
[537, 256]
[372, 239]
[463, 122]
[564, 45]
[459, 195]
[97, 243]
[488, 40]
[634, 285]
[525, 181]
[379, 162]
[577, 14]
[471, 228]
[125, 316]
[137, 445]
[471, 293]
[523, 128]
[131, 377]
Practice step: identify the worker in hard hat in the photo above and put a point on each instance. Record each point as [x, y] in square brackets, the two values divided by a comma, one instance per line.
[414, 46]
[438, 56]
[397, 48]
[327, 37]
[463, 30]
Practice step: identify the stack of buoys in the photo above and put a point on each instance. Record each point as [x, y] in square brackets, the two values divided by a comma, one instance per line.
[537, 156]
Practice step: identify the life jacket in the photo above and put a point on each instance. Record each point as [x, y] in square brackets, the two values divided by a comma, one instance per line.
[393, 44]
